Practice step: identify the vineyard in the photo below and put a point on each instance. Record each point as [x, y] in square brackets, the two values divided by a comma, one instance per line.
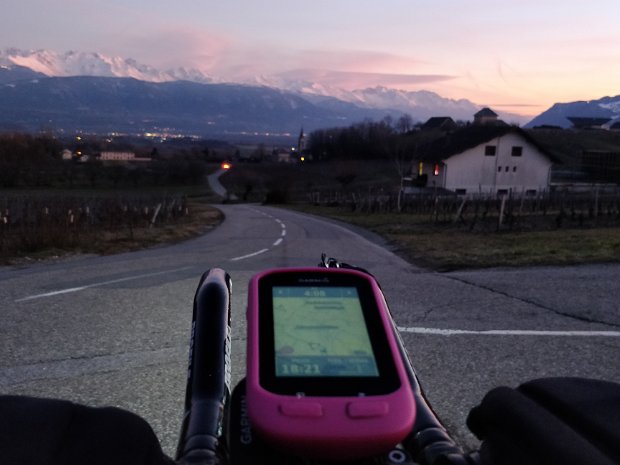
[30, 223]
[486, 212]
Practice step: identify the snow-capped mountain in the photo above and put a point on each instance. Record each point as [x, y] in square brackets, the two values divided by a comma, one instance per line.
[558, 114]
[421, 105]
[53, 64]
[56, 87]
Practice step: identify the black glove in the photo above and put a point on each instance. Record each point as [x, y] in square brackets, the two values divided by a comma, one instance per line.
[550, 421]
[37, 431]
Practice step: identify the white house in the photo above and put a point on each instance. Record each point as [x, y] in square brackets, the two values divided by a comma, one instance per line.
[485, 159]
[122, 157]
[117, 156]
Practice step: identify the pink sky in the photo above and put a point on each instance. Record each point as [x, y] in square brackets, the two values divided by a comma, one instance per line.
[515, 56]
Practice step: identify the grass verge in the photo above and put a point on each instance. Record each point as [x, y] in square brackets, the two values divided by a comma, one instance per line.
[201, 218]
[445, 247]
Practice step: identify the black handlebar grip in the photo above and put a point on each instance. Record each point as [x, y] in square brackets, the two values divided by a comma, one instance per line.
[208, 375]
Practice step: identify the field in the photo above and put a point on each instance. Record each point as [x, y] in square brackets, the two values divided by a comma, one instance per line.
[444, 233]
[445, 247]
[437, 232]
[42, 224]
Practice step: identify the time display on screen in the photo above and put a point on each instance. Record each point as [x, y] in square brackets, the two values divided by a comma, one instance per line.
[321, 332]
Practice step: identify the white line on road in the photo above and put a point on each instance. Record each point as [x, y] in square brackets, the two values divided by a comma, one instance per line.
[506, 332]
[98, 284]
[275, 244]
[253, 254]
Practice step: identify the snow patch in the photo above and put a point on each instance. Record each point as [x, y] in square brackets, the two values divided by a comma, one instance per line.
[74, 63]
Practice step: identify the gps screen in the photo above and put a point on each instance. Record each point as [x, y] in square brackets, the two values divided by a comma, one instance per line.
[319, 332]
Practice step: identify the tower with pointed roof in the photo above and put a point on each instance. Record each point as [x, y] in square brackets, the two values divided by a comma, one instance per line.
[301, 141]
[485, 116]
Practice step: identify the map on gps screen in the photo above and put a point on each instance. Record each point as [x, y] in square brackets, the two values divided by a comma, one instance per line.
[320, 331]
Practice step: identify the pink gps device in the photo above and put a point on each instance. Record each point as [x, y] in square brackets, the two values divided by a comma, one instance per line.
[325, 376]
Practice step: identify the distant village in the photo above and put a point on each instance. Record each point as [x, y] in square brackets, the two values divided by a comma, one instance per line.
[485, 155]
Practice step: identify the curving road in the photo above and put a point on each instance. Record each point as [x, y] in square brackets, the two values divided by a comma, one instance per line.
[114, 330]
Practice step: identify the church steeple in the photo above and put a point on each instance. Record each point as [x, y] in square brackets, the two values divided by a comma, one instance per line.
[301, 141]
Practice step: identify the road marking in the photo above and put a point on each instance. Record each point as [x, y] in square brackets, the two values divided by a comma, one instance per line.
[253, 254]
[507, 332]
[101, 283]
[275, 244]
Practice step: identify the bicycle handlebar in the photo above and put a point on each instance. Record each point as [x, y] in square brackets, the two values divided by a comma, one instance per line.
[530, 424]
[208, 394]
[208, 373]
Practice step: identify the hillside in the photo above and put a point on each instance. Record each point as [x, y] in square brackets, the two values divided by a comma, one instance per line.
[558, 114]
[101, 105]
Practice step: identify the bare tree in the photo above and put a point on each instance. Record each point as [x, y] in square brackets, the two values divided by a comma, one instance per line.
[402, 151]
[404, 123]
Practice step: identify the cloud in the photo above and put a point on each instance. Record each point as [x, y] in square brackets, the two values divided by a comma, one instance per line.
[170, 47]
[346, 69]
[516, 105]
[359, 61]
[351, 80]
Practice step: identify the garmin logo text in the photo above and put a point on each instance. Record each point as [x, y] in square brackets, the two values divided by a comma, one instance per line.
[227, 362]
[314, 280]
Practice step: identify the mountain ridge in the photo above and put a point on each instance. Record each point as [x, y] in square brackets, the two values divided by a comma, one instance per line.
[558, 114]
[341, 106]
[73, 63]
[421, 105]
[129, 105]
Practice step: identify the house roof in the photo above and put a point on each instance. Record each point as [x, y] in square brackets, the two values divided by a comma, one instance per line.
[439, 122]
[470, 137]
[485, 112]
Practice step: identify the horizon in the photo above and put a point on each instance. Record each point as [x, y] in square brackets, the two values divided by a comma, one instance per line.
[518, 59]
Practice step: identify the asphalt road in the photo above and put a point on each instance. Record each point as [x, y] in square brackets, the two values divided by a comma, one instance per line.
[114, 330]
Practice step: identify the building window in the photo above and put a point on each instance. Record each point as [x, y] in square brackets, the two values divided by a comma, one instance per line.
[460, 191]
[489, 150]
[499, 169]
[420, 169]
[514, 169]
[507, 168]
[517, 151]
[436, 170]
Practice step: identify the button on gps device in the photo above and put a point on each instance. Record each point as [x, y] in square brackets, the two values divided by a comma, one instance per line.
[325, 377]
[301, 409]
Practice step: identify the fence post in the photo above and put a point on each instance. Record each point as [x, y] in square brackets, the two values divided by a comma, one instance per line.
[459, 211]
[155, 215]
[501, 212]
